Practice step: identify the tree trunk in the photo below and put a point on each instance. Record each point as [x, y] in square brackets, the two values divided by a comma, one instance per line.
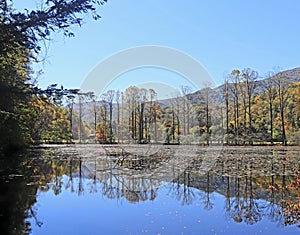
[110, 122]
[95, 121]
[80, 120]
[178, 130]
[118, 121]
[155, 125]
[250, 121]
[141, 123]
[284, 142]
[173, 126]
[271, 121]
[207, 121]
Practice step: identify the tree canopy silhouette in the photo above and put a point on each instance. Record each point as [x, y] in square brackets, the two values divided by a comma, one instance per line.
[21, 34]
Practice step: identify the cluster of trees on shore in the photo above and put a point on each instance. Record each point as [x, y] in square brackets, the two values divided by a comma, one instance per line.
[22, 105]
[245, 110]
[262, 110]
[137, 116]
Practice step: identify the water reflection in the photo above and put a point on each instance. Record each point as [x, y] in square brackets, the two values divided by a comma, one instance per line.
[253, 184]
[21, 177]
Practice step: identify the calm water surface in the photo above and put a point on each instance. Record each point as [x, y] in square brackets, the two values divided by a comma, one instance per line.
[160, 190]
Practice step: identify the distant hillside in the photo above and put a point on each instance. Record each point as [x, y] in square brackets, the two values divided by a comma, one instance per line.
[216, 94]
[292, 75]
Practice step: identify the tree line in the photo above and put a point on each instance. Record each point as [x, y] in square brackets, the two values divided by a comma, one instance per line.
[245, 110]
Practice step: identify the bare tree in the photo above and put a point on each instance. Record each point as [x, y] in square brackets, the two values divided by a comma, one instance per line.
[269, 85]
[143, 99]
[95, 109]
[226, 96]
[249, 77]
[132, 96]
[177, 101]
[208, 123]
[81, 99]
[80, 117]
[152, 114]
[110, 98]
[103, 132]
[186, 109]
[282, 85]
[122, 117]
[235, 78]
[118, 113]
[243, 94]
[70, 101]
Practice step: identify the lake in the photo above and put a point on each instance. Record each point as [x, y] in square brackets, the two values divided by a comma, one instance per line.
[150, 189]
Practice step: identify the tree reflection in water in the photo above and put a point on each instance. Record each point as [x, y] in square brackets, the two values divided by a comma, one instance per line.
[22, 176]
[255, 184]
[238, 176]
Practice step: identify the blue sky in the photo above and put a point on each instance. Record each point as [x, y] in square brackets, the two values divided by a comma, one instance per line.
[221, 35]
